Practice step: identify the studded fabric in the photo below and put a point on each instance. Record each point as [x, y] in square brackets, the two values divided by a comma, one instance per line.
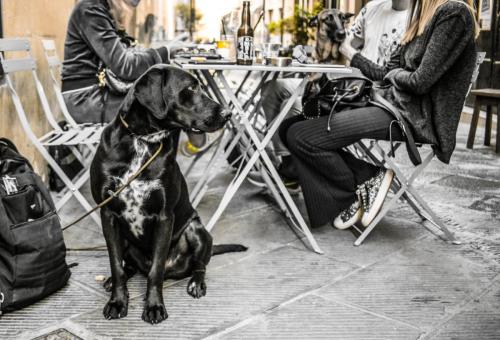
[368, 191]
[349, 213]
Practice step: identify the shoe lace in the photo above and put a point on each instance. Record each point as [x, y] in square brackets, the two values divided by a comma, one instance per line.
[362, 192]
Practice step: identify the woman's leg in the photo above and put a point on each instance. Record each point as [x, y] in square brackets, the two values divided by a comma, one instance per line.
[328, 175]
[275, 93]
[287, 168]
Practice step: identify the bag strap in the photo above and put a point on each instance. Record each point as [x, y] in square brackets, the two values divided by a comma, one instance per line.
[413, 153]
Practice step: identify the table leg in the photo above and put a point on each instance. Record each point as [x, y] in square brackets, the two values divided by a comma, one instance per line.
[201, 186]
[262, 154]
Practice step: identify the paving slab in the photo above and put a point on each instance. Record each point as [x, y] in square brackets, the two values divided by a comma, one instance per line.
[235, 292]
[260, 231]
[420, 285]
[71, 300]
[479, 321]
[390, 235]
[313, 317]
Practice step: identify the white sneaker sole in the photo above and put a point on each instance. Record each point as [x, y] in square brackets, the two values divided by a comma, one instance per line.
[379, 200]
[339, 224]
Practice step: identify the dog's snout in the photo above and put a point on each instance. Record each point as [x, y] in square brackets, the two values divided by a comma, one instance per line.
[341, 34]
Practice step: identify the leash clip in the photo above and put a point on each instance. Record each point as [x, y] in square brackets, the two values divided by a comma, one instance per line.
[101, 77]
[112, 193]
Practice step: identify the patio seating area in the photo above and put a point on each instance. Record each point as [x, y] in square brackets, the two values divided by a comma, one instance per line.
[402, 283]
[282, 116]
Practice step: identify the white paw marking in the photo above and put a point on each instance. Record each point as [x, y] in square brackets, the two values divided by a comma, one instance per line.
[138, 191]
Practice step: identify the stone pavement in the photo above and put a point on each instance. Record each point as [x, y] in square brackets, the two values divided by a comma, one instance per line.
[402, 283]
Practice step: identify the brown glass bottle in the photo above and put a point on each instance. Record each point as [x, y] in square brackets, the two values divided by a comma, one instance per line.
[245, 48]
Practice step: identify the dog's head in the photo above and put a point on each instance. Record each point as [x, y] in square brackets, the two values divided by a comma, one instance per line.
[174, 98]
[331, 23]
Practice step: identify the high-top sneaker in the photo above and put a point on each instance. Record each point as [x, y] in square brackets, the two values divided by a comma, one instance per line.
[349, 216]
[373, 194]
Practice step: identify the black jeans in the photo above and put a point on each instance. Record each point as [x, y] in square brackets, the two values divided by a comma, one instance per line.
[328, 174]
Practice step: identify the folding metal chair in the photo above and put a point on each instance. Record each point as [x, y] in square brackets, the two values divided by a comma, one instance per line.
[403, 184]
[72, 137]
[54, 63]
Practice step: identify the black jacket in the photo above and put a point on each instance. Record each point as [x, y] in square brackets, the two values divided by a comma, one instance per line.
[93, 37]
[431, 76]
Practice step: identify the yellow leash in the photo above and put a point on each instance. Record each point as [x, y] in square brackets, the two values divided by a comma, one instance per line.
[117, 192]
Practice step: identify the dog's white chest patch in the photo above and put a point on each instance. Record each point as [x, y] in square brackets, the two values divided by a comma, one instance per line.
[137, 191]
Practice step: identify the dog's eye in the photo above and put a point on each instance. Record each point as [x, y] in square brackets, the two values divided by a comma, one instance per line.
[193, 88]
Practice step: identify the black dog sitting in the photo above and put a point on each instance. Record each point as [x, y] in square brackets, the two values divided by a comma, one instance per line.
[151, 226]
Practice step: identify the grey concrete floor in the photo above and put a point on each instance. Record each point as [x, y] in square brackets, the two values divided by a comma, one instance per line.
[402, 283]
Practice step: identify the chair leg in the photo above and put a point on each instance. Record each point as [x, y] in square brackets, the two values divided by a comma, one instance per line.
[432, 217]
[473, 123]
[487, 126]
[497, 146]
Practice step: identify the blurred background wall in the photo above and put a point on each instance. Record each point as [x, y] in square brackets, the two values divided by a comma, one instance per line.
[36, 20]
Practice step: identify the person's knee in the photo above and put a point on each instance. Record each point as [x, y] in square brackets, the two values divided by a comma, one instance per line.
[278, 89]
[293, 139]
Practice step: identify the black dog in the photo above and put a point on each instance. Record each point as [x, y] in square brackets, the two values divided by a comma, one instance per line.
[151, 226]
[330, 24]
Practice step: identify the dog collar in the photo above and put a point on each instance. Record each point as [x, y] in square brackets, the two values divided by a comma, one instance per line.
[154, 137]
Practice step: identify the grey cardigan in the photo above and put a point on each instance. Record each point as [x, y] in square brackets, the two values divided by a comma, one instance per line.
[92, 36]
[430, 76]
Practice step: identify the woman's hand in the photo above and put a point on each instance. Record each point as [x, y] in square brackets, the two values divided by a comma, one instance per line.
[300, 54]
[391, 75]
[346, 48]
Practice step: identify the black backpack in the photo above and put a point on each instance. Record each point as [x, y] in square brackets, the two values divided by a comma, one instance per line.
[32, 251]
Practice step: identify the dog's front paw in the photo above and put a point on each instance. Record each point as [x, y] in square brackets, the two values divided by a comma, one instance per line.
[196, 288]
[115, 308]
[154, 313]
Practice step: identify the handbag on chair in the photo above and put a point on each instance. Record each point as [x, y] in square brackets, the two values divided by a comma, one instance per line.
[324, 96]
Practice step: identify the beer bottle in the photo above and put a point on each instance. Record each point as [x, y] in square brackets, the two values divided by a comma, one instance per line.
[245, 37]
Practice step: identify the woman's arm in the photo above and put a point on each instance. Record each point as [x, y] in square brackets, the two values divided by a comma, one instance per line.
[448, 39]
[126, 63]
[372, 70]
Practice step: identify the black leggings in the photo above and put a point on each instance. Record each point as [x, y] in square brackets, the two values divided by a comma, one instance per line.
[328, 174]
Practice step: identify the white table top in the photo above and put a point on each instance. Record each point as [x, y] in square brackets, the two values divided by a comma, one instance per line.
[339, 69]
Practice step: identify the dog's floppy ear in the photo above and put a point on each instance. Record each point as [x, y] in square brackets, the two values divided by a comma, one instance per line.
[313, 22]
[149, 89]
[346, 16]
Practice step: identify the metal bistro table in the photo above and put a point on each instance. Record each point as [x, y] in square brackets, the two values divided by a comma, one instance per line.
[256, 146]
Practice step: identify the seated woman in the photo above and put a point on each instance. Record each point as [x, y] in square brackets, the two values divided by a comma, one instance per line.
[429, 80]
[96, 39]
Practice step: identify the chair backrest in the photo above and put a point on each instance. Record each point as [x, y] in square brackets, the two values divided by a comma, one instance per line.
[50, 52]
[15, 65]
